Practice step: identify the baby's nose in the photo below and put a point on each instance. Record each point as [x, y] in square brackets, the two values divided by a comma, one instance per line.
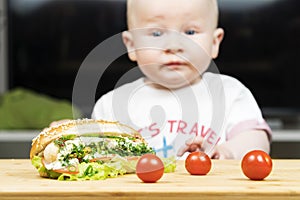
[174, 43]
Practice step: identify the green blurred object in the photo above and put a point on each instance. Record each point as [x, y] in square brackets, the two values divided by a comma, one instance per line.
[25, 109]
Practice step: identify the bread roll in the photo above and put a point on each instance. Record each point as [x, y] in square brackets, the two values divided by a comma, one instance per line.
[80, 128]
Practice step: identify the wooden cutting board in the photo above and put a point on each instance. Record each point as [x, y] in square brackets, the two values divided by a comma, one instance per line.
[19, 180]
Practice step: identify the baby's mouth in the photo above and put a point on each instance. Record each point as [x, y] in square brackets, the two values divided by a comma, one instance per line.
[175, 65]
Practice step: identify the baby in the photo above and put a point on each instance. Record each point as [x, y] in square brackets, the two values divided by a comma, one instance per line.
[177, 106]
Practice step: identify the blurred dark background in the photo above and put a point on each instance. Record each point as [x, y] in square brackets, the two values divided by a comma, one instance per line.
[49, 39]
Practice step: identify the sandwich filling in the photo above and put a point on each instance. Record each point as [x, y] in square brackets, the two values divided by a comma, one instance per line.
[89, 157]
[68, 151]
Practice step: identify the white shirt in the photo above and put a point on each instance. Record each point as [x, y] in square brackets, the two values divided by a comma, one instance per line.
[217, 107]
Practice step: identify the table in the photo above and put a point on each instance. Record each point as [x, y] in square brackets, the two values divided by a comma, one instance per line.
[19, 180]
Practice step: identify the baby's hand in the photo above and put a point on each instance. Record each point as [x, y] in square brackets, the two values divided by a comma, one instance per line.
[221, 152]
[191, 145]
[196, 144]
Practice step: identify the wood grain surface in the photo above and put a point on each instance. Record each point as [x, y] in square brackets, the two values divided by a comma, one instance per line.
[19, 180]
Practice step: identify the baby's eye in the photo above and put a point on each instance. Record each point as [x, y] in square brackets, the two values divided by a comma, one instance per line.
[190, 32]
[156, 33]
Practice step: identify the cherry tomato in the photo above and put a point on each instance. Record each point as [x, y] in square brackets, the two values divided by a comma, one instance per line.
[198, 163]
[256, 165]
[149, 168]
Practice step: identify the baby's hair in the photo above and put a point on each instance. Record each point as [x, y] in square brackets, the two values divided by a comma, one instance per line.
[214, 4]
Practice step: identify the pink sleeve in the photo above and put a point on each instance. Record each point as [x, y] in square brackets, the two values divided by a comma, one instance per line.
[249, 125]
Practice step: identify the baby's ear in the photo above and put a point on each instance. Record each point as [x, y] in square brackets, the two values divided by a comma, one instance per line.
[128, 41]
[218, 37]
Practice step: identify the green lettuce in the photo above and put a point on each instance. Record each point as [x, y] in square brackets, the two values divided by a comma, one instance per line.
[37, 163]
[169, 164]
[94, 171]
[86, 171]
[130, 165]
[99, 171]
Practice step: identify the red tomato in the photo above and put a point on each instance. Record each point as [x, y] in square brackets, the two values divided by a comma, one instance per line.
[73, 169]
[198, 163]
[149, 168]
[256, 165]
[68, 170]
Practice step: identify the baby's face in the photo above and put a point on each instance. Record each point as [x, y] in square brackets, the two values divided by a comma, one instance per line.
[173, 41]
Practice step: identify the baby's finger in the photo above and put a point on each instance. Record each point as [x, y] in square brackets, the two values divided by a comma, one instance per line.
[219, 156]
[182, 150]
[194, 147]
[215, 155]
[188, 148]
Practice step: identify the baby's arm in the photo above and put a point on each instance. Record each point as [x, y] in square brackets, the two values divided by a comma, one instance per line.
[238, 146]
[235, 148]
